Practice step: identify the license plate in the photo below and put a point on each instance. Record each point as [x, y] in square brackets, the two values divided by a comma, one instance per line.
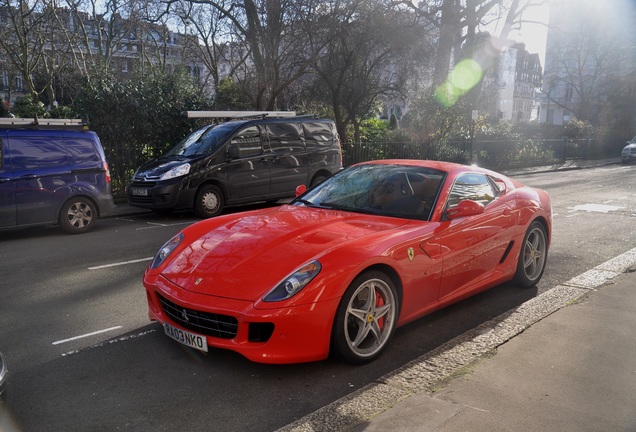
[139, 192]
[192, 340]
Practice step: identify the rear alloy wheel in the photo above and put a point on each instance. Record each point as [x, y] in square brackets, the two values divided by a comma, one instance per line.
[533, 256]
[366, 318]
[209, 202]
[78, 215]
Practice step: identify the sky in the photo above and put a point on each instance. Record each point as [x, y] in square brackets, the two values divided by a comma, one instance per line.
[534, 35]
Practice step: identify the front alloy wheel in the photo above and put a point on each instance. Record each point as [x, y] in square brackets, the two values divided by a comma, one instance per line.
[366, 318]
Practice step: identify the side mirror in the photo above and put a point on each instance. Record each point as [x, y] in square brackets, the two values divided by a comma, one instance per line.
[301, 189]
[465, 208]
[233, 151]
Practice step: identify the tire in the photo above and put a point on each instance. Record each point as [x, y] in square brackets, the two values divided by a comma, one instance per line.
[209, 202]
[365, 323]
[317, 180]
[78, 215]
[532, 256]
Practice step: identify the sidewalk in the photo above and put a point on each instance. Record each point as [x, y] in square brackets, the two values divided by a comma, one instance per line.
[573, 371]
[562, 361]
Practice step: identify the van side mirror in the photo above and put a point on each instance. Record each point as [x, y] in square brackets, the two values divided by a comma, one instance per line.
[301, 189]
[233, 151]
[465, 208]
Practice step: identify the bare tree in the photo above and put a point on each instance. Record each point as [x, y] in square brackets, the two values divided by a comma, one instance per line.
[588, 57]
[23, 37]
[373, 56]
[270, 42]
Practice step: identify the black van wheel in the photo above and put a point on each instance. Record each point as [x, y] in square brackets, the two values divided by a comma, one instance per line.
[317, 180]
[78, 215]
[209, 202]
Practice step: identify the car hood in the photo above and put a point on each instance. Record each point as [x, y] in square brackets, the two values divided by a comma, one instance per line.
[246, 256]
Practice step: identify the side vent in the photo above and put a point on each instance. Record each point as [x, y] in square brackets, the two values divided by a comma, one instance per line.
[508, 249]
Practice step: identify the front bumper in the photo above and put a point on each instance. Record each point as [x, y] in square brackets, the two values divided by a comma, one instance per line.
[166, 195]
[299, 334]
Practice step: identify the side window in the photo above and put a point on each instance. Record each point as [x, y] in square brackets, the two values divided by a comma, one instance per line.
[35, 152]
[286, 137]
[82, 151]
[318, 134]
[471, 186]
[248, 141]
[1, 154]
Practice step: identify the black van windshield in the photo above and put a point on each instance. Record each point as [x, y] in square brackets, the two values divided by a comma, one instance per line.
[203, 141]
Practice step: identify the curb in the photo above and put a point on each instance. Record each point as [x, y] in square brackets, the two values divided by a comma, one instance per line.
[432, 369]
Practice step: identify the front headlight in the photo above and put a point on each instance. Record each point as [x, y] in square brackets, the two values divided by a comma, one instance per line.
[177, 171]
[294, 282]
[166, 250]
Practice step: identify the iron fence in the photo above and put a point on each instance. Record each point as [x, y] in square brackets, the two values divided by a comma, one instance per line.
[495, 154]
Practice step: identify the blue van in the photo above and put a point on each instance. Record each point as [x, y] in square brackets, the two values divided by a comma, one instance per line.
[52, 172]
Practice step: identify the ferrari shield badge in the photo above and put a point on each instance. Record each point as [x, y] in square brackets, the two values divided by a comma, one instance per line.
[410, 253]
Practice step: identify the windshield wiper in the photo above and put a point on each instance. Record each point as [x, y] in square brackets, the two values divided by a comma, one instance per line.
[340, 207]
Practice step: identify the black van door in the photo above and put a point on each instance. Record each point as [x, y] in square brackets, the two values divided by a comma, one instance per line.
[7, 187]
[248, 169]
[289, 159]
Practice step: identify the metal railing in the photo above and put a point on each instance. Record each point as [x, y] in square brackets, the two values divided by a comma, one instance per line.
[496, 154]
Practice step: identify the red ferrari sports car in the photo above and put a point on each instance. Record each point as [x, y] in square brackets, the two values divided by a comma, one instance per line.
[340, 267]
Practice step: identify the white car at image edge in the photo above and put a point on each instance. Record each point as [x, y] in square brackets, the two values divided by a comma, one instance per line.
[629, 151]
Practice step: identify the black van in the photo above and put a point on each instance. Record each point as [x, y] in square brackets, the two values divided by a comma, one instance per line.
[52, 171]
[238, 162]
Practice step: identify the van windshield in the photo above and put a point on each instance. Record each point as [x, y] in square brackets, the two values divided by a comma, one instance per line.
[203, 141]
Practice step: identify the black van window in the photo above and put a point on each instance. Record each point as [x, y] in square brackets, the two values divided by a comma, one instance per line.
[202, 141]
[318, 134]
[248, 141]
[471, 186]
[81, 151]
[286, 137]
[32, 152]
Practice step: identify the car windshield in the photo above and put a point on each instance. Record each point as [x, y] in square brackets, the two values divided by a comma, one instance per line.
[203, 141]
[388, 190]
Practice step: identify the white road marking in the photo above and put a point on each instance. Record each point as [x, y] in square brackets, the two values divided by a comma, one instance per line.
[119, 263]
[85, 335]
[156, 225]
[111, 341]
[599, 208]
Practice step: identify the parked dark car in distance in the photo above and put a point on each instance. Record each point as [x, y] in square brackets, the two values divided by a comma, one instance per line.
[3, 378]
[629, 151]
[238, 162]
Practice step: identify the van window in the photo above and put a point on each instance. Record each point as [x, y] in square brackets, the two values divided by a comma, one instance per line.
[285, 137]
[318, 134]
[248, 141]
[82, 152]
[33, 152]
[471, 186]
[203, 141]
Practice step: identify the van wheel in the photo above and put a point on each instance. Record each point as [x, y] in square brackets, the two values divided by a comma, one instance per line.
[78, 215]
[209, 202]
[317, 180]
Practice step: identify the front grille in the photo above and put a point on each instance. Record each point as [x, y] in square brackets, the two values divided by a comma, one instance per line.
[142, 183]
[134, 199]
[205, 323]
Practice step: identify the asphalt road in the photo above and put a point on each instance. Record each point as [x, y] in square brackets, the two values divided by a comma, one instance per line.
[83, 355]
